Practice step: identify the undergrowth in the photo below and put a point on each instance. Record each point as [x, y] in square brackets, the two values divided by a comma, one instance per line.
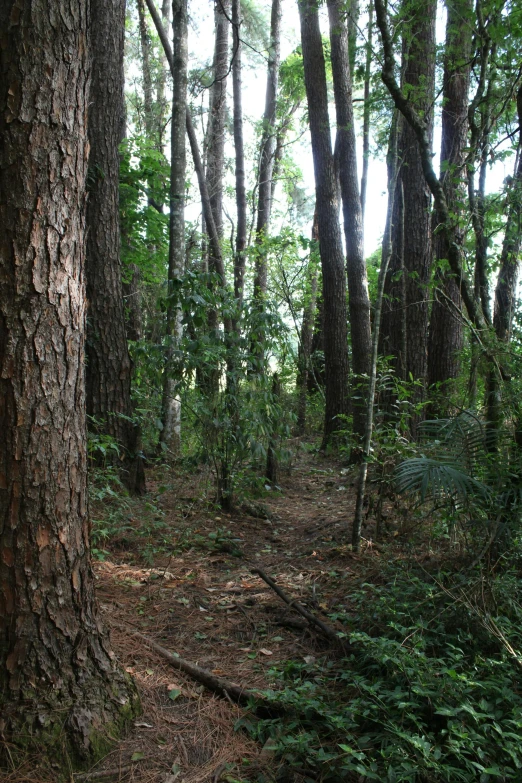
[430, 693]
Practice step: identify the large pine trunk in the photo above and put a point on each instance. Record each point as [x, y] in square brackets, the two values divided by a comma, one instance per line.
[59, 683]
[446, 332]
[108, 362]
[330, 245]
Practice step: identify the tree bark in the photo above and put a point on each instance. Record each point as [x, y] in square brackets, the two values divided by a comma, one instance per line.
[268, 146]
[60, 687]
[307, 331]
[109, 366]
[366, 111]
[241, 203]
[330, 245]
[218, 102]
[171, 404]
[346, 153]
[505, 290]
[145, 47]
[418, 79]
[446, 331]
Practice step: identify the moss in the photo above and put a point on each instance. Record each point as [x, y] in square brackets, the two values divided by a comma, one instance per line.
[55, 739]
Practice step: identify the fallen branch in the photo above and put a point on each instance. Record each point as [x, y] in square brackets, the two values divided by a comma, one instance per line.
[213, 683]
[102, 774]
[326, 630]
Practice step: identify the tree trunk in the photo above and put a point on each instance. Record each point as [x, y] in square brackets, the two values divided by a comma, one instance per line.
[366, 111]
[241, 203]
[330, 245]
[370, 402]
[268, 146]
[148, 110]
[418, 78]
[353, 222]
[60, 688]
[171, 404]
[307, 331]
[218, 102]
[505, 291]
[446, 332]
[108, 362]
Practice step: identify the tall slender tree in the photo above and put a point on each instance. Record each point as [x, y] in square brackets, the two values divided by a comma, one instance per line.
[268, 147]
[446, 331]
[241, 202]
[330, 244]
[60, 686]
[171, 405]
[108, 362]
[353, 219]
[410, 314]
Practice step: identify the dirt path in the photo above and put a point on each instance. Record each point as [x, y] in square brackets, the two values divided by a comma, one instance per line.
[203, 603]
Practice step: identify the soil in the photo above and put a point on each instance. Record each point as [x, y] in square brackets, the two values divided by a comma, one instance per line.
[180, 572]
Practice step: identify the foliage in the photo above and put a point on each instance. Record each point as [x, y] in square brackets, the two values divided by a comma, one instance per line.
[427, 695]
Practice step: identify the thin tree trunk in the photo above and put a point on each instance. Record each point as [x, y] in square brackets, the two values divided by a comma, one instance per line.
[213, 235]
[505, 291]
[366, 111]
[241, 203]
[61, 691]
[145, 47]
[268, 144]
[108, 362]
[307, 332]
[330, 245]
[216, 128]
[353, 223]
[446, 331]
[171, 404]
[386, 255]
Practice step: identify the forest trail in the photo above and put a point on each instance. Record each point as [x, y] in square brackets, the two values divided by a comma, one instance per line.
[204, 603]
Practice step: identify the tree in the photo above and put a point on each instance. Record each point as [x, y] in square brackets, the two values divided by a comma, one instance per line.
[268, 148]
[59, 681]
[410, 264]
[446, 331]
[353, 218]
[330, 245]
[108, 362]
[171, 406]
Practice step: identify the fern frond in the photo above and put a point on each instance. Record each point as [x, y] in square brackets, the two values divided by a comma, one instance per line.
[441, 479]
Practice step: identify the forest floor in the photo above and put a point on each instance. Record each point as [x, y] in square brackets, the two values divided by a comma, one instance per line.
[180, 572]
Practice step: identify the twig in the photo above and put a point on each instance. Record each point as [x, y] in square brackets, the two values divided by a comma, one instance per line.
[104, 773]
[326, 630]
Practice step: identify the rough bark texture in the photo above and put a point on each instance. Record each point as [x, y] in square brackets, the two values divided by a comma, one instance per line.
[58, 680]
[346, 152]
[108, 362]
[418, 82]
[268, 147]
[171, 405]
[446, 331]
[330, 245]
